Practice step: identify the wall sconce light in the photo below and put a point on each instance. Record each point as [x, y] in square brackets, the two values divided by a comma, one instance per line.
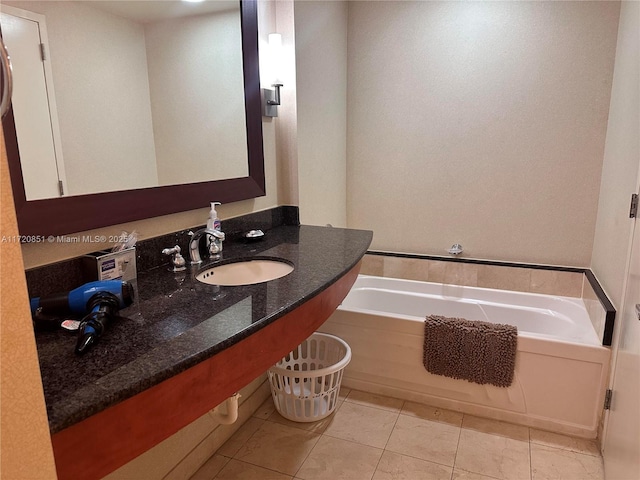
[272, 97]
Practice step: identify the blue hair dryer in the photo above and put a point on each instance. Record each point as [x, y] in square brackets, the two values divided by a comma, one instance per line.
[77, 300]
[99, 301]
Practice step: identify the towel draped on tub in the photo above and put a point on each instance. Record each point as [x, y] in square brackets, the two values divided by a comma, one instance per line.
[476, 351]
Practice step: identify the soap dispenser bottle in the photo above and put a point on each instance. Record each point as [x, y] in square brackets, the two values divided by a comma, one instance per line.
[213, 223]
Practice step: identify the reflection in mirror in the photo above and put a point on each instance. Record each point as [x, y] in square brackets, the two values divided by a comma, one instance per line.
[130, 94]
[219, 125]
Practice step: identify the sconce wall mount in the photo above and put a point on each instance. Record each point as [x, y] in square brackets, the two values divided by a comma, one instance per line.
[271, 100]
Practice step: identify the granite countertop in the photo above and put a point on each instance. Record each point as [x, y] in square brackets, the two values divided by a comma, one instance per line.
[177, 322]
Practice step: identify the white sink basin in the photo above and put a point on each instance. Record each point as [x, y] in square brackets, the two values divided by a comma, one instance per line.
[245, 273]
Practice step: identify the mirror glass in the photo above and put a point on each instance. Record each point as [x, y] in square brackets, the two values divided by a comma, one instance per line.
[130, 94]
[79, 212]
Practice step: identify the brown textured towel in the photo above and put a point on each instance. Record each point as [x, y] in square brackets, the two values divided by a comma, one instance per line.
[480, 352]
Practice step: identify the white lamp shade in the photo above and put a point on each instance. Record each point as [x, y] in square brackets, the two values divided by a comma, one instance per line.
[275, 58]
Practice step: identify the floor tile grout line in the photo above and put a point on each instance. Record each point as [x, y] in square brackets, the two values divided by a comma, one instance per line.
[350, 441]
[582, 452]
[245, 442]
[455, 456]
[377, 408]
[362, 404]
[392, 429]
[412, 456]
[373, 474]
[384, 449]
[194, 449]
[323, 434]
[495, 435]
[259, 466]
[475, 473]
[225, 464]
[432, 420]
[307, 456]
[459, 427]
[566, 449]
[530, 457]
[397, 413]
[215, 477]
[302, 429]
[419, 458]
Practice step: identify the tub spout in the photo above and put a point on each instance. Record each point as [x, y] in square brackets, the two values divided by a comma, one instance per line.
[231, 410]
[456, 249]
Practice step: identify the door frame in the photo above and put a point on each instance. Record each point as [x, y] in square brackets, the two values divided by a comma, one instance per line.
[620, 316]
[48, 77]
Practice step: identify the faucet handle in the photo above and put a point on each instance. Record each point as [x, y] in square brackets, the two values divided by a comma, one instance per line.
[215, 246]
[177, 260]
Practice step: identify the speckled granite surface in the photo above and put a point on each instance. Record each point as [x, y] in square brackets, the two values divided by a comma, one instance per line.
[66, 275]
[177, 321]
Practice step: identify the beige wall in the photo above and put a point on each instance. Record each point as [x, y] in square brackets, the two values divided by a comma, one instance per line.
[621, 165]
[321, 76]
[25, 443]
[481, 123]
[282, 16]
[199, 61]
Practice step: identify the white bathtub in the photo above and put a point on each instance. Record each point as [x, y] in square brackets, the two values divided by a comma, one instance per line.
[561, 366]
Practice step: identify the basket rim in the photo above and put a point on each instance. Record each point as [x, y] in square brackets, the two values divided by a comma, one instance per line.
[321, 371]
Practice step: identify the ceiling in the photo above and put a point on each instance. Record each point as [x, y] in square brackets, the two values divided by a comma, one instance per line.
[149, 11]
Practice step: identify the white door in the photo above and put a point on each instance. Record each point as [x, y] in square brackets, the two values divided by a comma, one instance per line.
[622, 438]
[33, 104]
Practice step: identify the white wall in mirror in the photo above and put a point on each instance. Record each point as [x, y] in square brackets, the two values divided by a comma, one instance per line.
[141, 104]
[191, 88]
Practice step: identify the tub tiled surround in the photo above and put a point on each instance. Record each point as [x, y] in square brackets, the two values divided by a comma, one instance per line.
[520, 279]
[565, 282]
[601, 319]
[374, 437]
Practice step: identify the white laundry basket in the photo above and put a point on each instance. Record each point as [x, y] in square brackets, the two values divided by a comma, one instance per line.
[305, 384]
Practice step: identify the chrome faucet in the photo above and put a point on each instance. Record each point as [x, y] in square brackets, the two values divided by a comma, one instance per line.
[194, 244]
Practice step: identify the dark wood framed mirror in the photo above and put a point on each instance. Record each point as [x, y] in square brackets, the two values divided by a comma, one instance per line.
[72, 214]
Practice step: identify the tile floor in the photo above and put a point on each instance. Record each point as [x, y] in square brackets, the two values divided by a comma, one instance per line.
[381, 438]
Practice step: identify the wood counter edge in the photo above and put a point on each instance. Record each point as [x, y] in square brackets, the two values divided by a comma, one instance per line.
[100, 444]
